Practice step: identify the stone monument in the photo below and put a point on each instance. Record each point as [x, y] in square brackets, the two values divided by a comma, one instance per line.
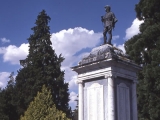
[107, 85]
[107, 80]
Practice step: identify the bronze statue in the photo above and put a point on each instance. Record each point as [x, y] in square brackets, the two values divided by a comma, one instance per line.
[109, 21]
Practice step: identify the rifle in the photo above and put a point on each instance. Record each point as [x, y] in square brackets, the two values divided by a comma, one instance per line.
[114, 22]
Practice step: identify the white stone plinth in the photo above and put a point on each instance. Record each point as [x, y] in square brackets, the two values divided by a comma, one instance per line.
[107, 86]
[111, 99]
[134, 103]
[123, 102]
[80, 102]
[95, 102]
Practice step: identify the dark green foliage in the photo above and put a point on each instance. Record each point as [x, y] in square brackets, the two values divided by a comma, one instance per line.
[144, 49]
[75, 112]
[7, 101]
[3, 115]
[41, 67]
[43, 108]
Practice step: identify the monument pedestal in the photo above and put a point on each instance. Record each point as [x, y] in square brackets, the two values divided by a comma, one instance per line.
[107, 85]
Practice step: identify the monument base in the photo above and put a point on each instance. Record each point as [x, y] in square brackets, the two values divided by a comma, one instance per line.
[107, 85]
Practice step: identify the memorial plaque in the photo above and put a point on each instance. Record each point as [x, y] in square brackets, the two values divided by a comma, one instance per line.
[100, 103]
[123, 102]
[95, 102]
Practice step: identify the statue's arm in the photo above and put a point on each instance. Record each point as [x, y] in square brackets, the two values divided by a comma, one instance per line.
[102, 18]
[114, 18]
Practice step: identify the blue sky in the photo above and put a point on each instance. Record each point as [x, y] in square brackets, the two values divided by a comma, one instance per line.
[75, 27]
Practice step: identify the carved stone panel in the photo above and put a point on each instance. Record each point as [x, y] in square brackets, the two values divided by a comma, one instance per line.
[95, 102]
[123, 102]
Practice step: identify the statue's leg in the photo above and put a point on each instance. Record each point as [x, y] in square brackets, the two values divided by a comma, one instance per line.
[104, 35]
[110, 35]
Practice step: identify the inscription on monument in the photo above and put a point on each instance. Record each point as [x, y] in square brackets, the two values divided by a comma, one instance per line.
[95, 101]
[123, 102]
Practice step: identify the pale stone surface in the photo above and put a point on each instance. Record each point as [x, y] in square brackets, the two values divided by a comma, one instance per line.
[80, 103]
[111, 99]
[123, 100]
[134, 103]
[103, 52]
[91, 104]
[117, 96]
[95, 102]
[87, 85]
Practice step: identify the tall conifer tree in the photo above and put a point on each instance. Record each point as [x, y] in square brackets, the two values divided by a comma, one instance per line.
[3, 114]
[41, 67]
[43, 108]
[144, 49]
[7, 100]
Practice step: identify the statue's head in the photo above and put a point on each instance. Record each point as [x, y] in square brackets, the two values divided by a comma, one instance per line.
[107, 8]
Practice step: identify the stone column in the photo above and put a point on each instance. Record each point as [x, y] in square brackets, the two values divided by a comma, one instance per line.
[80, 102]
[134, 100]
[111, 98]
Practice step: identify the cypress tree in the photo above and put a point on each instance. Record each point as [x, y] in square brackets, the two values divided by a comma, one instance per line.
[43, 108]
[41, 67]
[144, 49]
[3, 115]
[7, 101]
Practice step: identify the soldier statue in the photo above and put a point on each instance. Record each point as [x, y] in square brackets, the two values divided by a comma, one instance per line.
[109, 21]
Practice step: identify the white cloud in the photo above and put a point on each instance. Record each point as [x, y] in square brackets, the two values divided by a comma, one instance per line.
[115, 37]
[2, 50]
[5, 40]
[4, 77]
[71, 78]
[72, 83]
[122, 48]
[69, 42]
[13, 53]
[133, 30]
[73, 97]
